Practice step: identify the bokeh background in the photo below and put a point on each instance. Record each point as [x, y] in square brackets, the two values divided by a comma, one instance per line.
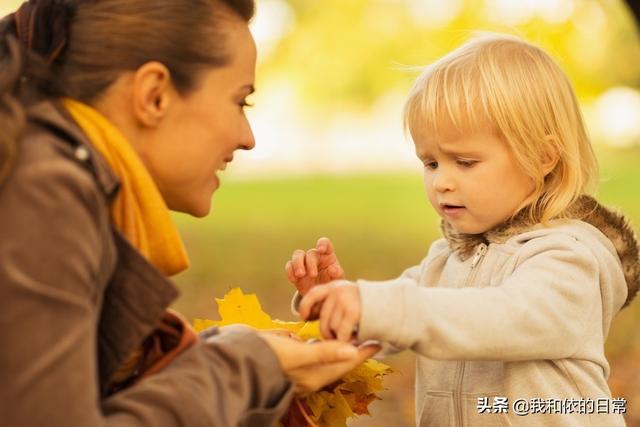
[332, 159]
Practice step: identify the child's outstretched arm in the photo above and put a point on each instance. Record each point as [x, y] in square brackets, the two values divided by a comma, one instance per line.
[545, 309]
[315, 266]
[340, 309]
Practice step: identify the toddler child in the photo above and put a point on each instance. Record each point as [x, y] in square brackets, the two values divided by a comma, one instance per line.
[509, 311]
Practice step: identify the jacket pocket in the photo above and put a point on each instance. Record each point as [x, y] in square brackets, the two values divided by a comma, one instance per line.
[436, 410]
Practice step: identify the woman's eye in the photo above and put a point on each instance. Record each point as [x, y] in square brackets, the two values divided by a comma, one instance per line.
[466, 163]
[431, 165]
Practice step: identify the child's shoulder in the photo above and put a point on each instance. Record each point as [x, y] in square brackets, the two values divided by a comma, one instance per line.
[604, 232]
[586, 221]
[439, 245]
[438, 248]
[566, 230]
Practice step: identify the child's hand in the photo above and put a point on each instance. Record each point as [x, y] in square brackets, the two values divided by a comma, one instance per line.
[340, 309]
[314, 267]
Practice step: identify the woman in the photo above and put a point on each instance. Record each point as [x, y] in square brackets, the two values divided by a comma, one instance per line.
[113, 112]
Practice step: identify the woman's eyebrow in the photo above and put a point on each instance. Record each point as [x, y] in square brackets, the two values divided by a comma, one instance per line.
[248, 88]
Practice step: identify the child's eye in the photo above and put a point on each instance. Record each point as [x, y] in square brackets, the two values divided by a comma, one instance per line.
[466, 163]
[433, 165]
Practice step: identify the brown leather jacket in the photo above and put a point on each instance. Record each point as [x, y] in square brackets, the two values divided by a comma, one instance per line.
[77, 299]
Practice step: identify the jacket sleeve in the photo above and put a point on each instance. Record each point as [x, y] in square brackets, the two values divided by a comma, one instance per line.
[50, 255]
[231, 378]
[541, 311]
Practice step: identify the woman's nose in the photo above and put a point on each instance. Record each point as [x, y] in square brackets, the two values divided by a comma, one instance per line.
[247, 141]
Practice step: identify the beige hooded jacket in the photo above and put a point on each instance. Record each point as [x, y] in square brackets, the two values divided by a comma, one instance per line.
[521, 312]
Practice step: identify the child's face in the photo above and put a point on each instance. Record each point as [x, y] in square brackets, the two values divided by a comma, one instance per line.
[473, 180]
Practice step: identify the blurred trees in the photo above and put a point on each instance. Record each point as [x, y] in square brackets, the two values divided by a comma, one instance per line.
[347, 54]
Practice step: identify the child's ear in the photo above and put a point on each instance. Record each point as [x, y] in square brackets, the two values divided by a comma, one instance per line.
[151, 95]
[551, 155]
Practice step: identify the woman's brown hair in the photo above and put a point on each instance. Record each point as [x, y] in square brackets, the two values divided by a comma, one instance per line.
[78, 48]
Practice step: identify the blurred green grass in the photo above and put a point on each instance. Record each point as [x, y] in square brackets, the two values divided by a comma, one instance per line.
[380, 225]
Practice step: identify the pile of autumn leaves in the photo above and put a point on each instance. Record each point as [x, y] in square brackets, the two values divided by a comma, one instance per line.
[331, 406]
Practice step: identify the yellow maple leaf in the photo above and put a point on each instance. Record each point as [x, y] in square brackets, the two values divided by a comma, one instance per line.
[337, 413]
[236, 307]
[330, 407]
[318, 401]
[310, 330]
[201, 324]
[359, 402]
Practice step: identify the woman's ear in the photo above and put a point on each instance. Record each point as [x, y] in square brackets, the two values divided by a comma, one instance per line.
[152, 93]
[551, 155]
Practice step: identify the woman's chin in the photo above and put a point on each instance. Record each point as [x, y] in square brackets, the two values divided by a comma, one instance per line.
[202, 210]
[196, 209]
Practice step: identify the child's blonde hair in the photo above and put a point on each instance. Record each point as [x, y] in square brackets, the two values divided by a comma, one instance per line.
[516, 90]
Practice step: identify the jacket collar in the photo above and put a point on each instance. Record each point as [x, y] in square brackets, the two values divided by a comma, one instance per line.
[611, 223]
[134, 303]
[54, 117]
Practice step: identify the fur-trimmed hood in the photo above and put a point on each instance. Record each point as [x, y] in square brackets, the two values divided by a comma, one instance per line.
[611, 223]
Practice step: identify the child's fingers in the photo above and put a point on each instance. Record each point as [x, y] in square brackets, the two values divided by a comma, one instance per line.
[315, 313]
[345, 330]
[324, 245]
[335, 271]
[316, 295]
[297, 261]
[336, 324]
[350, 320]
[327, 260]
[326, 313]
[311, 262]
[288, 268]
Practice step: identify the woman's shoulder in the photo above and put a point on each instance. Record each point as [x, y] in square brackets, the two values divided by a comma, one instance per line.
[55, 170]
[54, 217]
[53, 153]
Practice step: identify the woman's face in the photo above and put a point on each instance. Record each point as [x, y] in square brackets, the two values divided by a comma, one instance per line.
[202, 129]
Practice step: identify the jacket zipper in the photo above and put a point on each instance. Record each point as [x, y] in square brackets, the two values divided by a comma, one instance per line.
[457, 393]
[482, 249]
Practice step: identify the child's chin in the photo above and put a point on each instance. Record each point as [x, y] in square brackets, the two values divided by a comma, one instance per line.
[468, 229]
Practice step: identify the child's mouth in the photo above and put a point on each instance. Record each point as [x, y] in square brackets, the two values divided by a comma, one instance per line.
[452, 210]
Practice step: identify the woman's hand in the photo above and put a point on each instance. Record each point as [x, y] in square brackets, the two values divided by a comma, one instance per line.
[311, 366]
[314, 267]
[339, 306]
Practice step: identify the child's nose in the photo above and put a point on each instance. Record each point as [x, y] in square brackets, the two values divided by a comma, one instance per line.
[443, 181]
